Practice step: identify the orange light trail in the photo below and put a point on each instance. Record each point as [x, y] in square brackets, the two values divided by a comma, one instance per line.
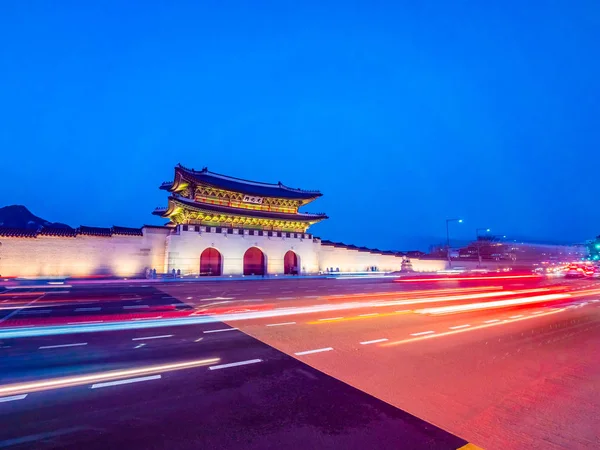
[466, 330]
[347, 319]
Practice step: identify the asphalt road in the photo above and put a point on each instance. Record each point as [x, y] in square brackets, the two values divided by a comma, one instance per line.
[250, 396]
[337, 376]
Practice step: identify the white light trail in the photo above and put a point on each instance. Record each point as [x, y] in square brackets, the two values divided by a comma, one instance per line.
[63, 382]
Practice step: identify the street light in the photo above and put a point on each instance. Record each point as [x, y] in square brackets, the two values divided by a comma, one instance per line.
[448, 239]
[477, 230]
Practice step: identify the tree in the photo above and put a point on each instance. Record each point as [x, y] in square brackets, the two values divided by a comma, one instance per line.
[593, 247]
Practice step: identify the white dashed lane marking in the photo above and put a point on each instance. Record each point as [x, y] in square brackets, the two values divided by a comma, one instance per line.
[280, 324]
[421, 333]
[12, 398]
[152, 337]
[235, 364]
[458, 327]
[127, 381]
[220, 330]
[374, 341]
[318, 350]
[62, 345]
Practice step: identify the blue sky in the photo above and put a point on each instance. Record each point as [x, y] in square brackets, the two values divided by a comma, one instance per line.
[402, 114]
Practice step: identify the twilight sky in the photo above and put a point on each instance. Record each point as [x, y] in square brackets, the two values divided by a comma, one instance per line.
[401, 114]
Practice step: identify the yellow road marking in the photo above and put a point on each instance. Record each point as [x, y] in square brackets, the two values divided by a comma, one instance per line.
[469, 446]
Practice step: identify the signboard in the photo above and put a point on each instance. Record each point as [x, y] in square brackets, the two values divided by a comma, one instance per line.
[255, 200]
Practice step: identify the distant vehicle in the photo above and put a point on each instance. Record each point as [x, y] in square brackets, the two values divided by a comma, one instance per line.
[580, 271]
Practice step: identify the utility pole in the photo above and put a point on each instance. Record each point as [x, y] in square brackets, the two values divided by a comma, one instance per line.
[448, 239]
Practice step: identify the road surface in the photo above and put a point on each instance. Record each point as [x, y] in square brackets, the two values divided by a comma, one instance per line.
[316, 363]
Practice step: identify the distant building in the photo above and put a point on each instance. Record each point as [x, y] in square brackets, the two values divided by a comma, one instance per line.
[491, 249]
[218, 225]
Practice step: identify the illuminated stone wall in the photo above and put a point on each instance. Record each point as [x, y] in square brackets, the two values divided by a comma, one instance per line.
[348, 260]
[83, 255]
[165, 250]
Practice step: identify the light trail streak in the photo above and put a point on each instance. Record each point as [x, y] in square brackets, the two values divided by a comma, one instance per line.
[360, 317]
[467, 330]
[192, 319]
[433, 279]
[63, 382]
[414, 293]
[493, 304]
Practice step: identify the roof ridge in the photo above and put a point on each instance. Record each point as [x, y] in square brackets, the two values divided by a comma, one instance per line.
[259, 183]
[240, 211]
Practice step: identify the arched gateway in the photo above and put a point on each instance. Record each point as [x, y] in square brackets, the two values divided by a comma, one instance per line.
[290, 263]
[211, 262]
[254, 262]
[233, 214]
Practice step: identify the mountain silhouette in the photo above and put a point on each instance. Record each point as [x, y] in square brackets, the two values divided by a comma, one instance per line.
[18, 216]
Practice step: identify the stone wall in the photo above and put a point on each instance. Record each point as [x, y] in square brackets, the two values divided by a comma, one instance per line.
[349, 260]
[83, 255]
[180, 249]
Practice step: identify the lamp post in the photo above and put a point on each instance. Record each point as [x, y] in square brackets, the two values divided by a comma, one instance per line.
[477, 230]
[448, 239]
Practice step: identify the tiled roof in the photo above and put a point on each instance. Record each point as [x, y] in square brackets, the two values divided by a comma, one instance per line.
[301, 217]
[240, 185]
[70, 232]
[61, 232]
[94, 231]
[124, 231]
[360, 249]
[17, 232]
[158, 226]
